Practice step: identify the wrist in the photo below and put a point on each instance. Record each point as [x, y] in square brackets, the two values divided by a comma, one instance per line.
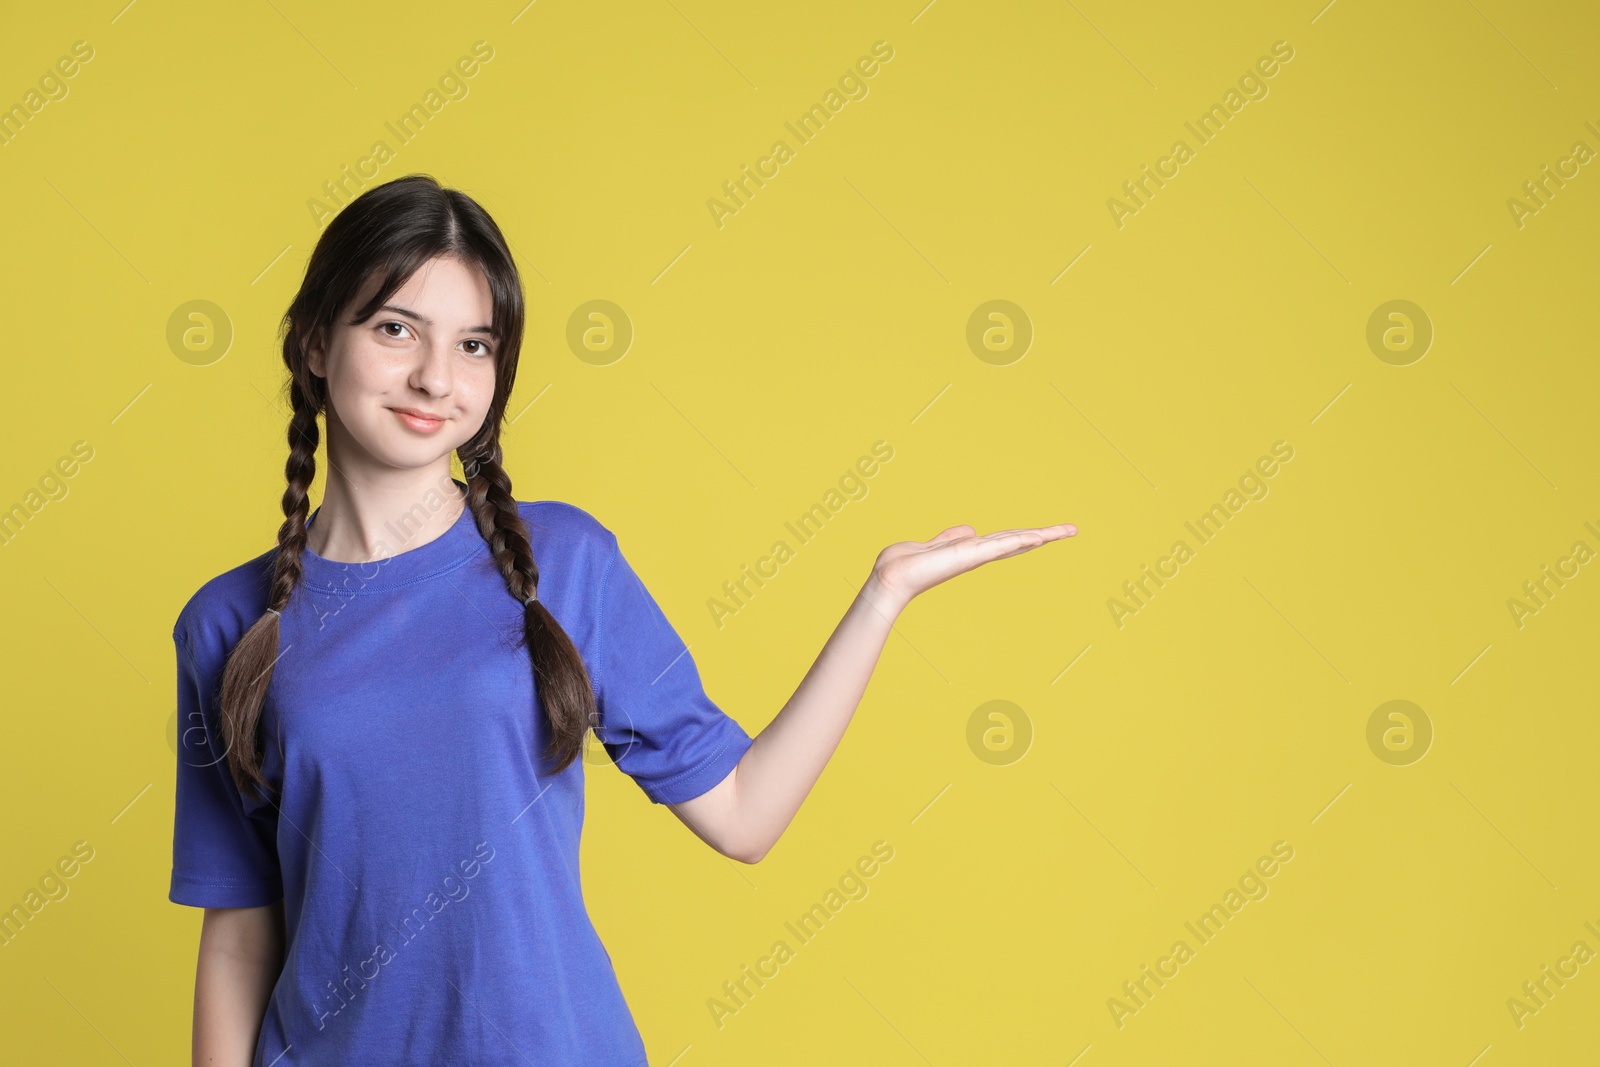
[881, 599]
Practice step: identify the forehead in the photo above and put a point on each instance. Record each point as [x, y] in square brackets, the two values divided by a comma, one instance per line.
[443, 289]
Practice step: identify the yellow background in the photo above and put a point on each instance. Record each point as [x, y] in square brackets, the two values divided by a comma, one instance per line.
[769, 355]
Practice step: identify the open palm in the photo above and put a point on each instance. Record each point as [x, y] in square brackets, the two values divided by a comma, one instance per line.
[907, 568]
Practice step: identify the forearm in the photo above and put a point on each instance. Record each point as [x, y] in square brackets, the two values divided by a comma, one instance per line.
[743, 815]
[240, 958]
[786, 758]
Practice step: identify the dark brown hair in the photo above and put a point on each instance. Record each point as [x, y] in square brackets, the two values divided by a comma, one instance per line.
[389, 231]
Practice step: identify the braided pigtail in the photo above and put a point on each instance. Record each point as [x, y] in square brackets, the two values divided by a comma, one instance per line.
[559, 674]
[249, 668]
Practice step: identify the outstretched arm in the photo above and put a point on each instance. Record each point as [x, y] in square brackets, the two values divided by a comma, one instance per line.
[744, 815]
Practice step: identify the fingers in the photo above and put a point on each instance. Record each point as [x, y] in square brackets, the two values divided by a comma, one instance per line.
[1005, 549]
[1061, 529]
[1002, 544]
[1049, 533]
[1015, 542]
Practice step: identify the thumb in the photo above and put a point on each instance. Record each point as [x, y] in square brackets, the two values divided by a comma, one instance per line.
[952, 533]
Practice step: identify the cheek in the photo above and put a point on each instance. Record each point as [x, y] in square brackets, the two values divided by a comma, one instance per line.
[474, 390]
[477, 388]
[368, 369]
[361, 374]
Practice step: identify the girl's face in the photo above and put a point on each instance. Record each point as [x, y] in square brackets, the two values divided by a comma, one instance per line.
[415, 381]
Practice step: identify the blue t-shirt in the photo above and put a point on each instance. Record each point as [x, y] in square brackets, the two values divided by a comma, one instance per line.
[428, 867]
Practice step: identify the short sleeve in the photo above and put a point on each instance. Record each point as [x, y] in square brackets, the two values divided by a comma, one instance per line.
[656, 721]
[221, 856]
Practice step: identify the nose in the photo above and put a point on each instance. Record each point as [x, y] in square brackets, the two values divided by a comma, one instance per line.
[434, 373]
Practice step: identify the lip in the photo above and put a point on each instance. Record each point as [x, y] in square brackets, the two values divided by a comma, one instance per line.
[420, 421]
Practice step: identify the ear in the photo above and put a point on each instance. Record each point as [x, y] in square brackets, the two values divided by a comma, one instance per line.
[316, 357]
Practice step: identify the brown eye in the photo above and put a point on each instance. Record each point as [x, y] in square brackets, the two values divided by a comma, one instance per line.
[483, 349]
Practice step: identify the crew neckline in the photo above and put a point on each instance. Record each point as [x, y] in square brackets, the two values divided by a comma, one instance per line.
[444, 553]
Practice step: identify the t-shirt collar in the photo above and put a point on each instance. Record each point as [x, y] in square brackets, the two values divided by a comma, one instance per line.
[403, 565]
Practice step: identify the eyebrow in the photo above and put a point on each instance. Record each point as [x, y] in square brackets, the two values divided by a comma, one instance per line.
[429, 322]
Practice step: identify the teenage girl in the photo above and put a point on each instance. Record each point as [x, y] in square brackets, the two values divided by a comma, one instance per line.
[379, 799]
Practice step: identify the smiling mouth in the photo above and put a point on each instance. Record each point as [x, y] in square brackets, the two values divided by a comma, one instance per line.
[425, 423]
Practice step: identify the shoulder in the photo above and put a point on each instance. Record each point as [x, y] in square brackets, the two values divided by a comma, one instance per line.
[569, 540]
[224, 607]
[557, 522]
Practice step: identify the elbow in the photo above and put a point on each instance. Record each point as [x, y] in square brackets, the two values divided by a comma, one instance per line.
[750, 854]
